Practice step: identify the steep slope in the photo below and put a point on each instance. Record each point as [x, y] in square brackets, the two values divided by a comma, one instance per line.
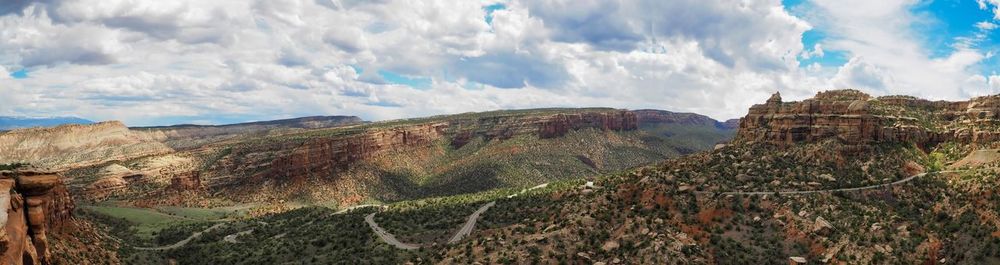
[38, 224]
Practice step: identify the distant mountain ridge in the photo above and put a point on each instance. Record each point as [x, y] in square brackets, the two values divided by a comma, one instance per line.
[10, 122]
[308, 122]
[189, 135]
[686, 118]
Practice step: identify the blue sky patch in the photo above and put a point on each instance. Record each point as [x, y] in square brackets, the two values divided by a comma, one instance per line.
[489, 11]
[812, 37]
[20, 74]
[414, 82]
[384, 104]
[951, 19]
[830, 57]
[357, 69]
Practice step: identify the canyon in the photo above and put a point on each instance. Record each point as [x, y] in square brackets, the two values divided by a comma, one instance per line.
[346, 159]
[336, 160]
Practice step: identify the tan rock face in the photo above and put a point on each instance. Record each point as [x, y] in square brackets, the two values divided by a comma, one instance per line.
[856, 118]
[33, 204]
[111, 179]
[561, 124]
[71, 146]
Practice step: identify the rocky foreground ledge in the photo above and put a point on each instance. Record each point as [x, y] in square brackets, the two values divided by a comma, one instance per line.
[33, 204]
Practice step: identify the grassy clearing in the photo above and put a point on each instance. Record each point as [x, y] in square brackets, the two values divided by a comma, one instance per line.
[206, 214]
[146, 223]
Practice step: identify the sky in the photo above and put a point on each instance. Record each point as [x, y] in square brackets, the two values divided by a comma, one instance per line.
[226, 61]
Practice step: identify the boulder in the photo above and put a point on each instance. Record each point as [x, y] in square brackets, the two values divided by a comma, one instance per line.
[820, 225]
[610, 245]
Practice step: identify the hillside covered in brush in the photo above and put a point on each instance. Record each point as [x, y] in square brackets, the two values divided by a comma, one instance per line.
[841, 178]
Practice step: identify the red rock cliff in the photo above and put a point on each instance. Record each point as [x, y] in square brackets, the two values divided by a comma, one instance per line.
[321, 156]
[34, 205]
[856, 118]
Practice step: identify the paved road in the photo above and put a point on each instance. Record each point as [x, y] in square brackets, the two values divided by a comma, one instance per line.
[358, 206]
[466, 229]
[470, 223]
[182, 242]
[386, 236]
[824, 191]
[232, 238]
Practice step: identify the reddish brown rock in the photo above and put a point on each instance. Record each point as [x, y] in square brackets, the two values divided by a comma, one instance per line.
[560, 124]
[856, 118]
[912, 168]
[36, 204]
[186, 181]
[320, 157]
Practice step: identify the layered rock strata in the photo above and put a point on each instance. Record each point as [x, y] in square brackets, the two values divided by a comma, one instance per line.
[72, 146]
[321, 156]
[33, 204]
[857, 118]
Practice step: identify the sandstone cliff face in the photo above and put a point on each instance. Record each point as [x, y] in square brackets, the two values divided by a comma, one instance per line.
[110, 180]
[33, 205]
[561, 124]
[320, 157]
[856, 118]
[71, 146]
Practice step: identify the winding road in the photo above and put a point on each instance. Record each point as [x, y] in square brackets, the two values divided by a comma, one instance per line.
[345, 210]
[796, 192]
[232, 238]
[470, 223]
[386, 236]
[182, 242]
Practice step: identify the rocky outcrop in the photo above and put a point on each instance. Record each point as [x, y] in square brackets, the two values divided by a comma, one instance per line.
[559, 125]
[857, 118]
[73, 146]
[33, 204]
[186, 181]
[110, 180]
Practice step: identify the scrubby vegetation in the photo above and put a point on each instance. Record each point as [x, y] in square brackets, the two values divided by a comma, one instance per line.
[657, 214]
[12, 166]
